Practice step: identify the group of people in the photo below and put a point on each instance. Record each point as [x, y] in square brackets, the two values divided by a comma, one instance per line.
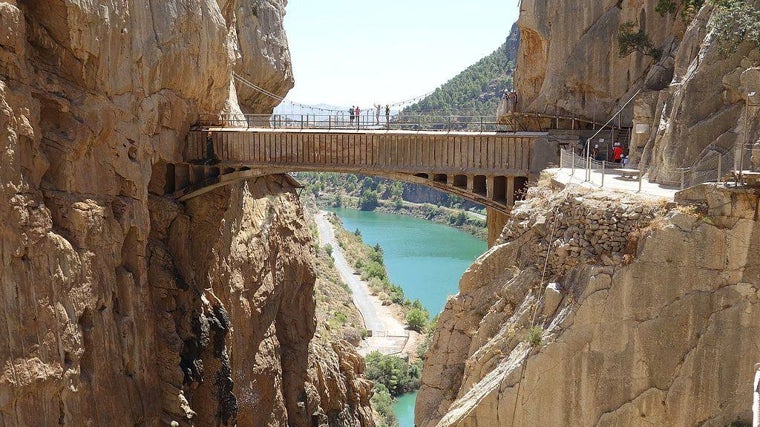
[597, 154]
[354, 113]
[511, 99]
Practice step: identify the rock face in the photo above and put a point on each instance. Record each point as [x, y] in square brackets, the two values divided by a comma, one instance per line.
[657, 329]
[120, 306]
[568, 62]
[695, 103]
[706, 112]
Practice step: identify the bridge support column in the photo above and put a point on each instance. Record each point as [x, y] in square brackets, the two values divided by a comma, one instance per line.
[496, 221]
[510, 191]
[490, 187]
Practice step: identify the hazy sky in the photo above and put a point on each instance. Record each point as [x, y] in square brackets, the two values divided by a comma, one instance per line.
[347, 52]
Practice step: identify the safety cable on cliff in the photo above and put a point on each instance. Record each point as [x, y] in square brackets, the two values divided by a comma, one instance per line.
[257, 88]
[535, 308]
[298, 104]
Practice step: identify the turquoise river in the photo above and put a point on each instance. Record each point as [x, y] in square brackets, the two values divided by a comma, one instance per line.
[424, 258]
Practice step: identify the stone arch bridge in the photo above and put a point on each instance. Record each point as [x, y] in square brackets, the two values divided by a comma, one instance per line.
[490, 168]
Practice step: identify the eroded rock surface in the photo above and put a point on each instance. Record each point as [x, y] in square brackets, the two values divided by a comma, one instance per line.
[121, 306]
[656, 331]
[694, 103]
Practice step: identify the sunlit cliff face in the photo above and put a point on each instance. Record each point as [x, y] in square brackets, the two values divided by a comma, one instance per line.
[568, 61]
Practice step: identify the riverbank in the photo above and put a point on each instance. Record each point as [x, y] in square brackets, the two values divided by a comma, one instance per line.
[387, 332]
[473, 223]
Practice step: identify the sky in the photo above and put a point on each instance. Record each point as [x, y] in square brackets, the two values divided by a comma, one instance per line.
[346, 52]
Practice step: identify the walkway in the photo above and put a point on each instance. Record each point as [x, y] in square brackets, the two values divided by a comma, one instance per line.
[612, 181]
[389, 335]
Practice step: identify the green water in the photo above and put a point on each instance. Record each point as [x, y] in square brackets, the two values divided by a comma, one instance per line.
[403, 407]
[424, 258]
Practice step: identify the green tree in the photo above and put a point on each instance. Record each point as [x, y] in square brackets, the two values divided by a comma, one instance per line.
[736, 22]
[632, 40]
[395, 373]
[368, 200]
[382, 403]
[417, 319]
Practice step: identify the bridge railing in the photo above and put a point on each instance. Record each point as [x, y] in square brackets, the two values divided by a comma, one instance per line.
[367, 120]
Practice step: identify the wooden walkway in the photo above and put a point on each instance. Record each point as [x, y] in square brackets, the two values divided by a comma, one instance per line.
[490, 168]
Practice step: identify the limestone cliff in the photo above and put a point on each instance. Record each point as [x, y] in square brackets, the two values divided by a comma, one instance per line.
[696, 101]
[120, 306]
[567, 61]
[640, 315]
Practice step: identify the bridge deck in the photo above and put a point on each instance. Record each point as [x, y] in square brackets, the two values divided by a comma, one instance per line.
[487, 167]
[485, 153]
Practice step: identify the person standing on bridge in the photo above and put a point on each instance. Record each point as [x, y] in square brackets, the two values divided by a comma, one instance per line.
[387, 116]
[351, 115]
[617, 153]
[377, 114]
[357, 113]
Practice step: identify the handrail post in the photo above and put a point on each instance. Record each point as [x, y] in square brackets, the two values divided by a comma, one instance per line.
[572, 158]
[301, 121]
[756, 397]
[449, 123]
[329, 122]
[588, 168]
[481, 124]
[604, 163]
[720, 172]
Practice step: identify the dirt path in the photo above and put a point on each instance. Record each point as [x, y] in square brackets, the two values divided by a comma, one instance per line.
[389, 336]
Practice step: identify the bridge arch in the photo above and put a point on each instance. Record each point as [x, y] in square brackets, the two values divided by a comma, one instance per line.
[489, 168]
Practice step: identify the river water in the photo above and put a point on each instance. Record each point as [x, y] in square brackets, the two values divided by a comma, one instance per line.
[424, 258]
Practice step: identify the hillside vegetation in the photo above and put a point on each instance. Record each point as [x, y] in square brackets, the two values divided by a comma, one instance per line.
[373, 193]
[476, 91]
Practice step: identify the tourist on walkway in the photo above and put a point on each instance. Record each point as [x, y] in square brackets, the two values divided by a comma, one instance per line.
[351, 115]
[387, 115]
[378, 107]
[357, 112]
[510, 98]
[617, 153]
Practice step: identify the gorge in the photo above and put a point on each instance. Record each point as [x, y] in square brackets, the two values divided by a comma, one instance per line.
[124, 306]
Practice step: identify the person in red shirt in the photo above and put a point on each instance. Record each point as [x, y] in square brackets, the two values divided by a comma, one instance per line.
[617, 153]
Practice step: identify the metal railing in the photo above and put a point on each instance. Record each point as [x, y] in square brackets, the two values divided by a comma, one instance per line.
[526, 119]
[710, 168]
[367, 120]
[568, 159]
[706, 169]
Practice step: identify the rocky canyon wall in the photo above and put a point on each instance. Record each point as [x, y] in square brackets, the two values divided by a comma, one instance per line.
[695, 102]
[120, 306]
[642, 314]
[568, 62]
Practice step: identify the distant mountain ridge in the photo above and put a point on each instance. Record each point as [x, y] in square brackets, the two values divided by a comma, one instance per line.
[476, 91]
